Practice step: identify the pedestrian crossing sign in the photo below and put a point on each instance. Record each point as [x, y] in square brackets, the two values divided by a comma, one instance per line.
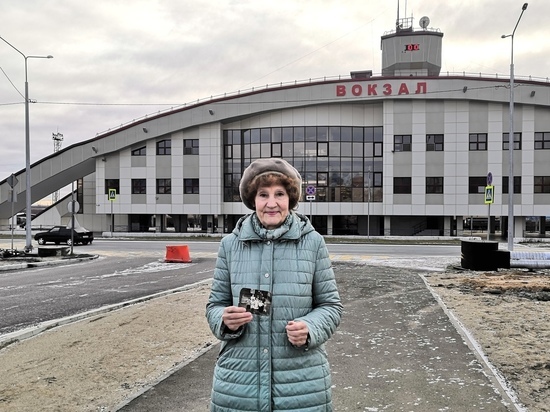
[489, 195]
[112, 194]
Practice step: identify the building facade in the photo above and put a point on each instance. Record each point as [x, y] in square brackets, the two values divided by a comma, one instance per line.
[408, 152]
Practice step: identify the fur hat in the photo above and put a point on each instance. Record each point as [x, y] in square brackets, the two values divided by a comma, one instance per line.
[263, 166]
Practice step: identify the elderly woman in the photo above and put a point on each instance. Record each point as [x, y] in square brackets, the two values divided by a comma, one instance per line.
[273, 359]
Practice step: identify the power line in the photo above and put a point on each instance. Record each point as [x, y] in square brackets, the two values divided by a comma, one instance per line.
[7, 77]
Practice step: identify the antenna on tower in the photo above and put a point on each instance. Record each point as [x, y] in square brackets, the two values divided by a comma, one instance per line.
[397, 20]
[57, 140]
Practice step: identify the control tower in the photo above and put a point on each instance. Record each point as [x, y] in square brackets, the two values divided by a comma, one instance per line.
[410, 52]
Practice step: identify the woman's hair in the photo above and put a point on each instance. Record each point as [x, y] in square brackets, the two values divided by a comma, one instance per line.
[269, 179]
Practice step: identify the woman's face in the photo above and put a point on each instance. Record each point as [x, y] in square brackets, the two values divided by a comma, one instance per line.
[272, 205]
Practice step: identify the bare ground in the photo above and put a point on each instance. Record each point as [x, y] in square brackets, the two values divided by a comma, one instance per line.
[95, 364]
[508, 314]
[99, 362]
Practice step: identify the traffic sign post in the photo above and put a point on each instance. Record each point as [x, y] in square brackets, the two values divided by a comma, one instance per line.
[310, 195]
[489, 198]
[112, 198]
[12, 182]
[489, 195]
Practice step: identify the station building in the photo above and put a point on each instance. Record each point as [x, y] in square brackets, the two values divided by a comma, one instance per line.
[407, 152]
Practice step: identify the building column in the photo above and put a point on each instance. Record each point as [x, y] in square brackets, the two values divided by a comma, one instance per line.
[387, 225]
[447, 225]
[519, 226]
[329, 225]
[460, 226]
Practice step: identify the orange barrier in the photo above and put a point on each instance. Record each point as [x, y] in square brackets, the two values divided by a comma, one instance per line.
[177, 254]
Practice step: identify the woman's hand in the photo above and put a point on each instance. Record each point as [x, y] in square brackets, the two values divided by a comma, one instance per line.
[297, 333]
[234, 317]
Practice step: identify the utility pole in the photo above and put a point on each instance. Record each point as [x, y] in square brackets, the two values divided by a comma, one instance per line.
[57, 139]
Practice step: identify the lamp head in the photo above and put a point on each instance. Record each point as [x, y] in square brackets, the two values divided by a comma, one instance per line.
[49, 56]
[524, 6]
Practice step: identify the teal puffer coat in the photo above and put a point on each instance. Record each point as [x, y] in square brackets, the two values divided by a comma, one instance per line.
[258, 369]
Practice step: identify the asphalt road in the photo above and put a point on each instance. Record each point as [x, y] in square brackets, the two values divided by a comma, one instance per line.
[130, 269]
[395, 350]
[28, 297]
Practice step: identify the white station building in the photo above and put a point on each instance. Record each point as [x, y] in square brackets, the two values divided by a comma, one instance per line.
[408, 152]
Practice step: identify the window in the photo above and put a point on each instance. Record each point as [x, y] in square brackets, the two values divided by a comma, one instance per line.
[477, 184]
[336, 158]
[517, 141]
[434, 185]
[139, 186]
[478, 142]
[164, 147]
[542, 184]
[276, 149]
[142, 151]
[434, 142]
[112, 184]
[402, 143]
[402, 185]
[164, 186]
[80, 194]
[191, 146]
[191, 186]
[542, 140]
[228, 151]
[517, 184]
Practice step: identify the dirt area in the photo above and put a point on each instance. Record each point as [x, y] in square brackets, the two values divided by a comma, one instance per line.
[508, 314]
[99, 362]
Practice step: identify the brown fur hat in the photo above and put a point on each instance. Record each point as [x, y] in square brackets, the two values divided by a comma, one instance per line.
[264, 166]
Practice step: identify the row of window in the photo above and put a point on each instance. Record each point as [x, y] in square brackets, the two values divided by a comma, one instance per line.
[476, 142]
[355, 192]
[434, 185]
[163, 186]
[164, 148]
[342, 162]
[328, 141]
[303, 134]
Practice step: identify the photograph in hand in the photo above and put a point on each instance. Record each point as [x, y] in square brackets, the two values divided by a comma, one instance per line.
[255, 301]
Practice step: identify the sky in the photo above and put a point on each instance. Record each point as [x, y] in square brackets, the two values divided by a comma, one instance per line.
[116, 61]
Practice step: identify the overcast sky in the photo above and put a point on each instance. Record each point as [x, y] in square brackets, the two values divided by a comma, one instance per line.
[115, 61]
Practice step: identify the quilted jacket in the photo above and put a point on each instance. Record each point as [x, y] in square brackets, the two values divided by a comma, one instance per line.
[258, 369]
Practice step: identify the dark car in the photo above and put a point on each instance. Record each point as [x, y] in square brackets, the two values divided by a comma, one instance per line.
[62, 234]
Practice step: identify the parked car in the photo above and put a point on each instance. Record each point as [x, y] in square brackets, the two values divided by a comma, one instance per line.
[62, 234]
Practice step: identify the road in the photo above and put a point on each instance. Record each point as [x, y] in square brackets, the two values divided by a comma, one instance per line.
[130, 269]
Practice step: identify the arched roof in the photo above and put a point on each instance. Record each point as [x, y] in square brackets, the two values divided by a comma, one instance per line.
[59, 169]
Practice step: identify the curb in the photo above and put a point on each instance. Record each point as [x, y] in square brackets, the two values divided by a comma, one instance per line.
[17, 336]
[35, 264]
[493, 374]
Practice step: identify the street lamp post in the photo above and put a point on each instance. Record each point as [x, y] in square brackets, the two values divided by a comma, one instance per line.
[511, 140]
[28, 204]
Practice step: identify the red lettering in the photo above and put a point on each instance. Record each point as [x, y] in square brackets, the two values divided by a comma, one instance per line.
[358, 90]
[421, 88]
[372, 90]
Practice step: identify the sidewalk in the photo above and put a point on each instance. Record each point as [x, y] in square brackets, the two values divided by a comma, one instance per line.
[396, 349]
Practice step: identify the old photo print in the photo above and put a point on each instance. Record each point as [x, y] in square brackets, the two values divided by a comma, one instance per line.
[255, 301]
